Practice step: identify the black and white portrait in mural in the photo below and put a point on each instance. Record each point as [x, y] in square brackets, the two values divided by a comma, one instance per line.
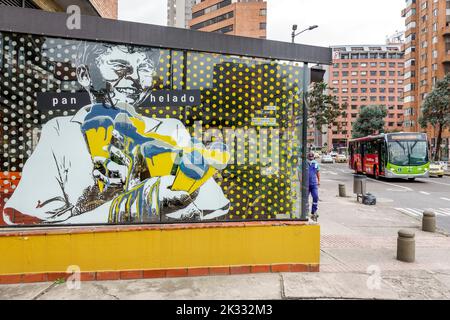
[109, 164]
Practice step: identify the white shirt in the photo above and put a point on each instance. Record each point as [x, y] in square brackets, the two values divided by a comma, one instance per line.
[62, 155]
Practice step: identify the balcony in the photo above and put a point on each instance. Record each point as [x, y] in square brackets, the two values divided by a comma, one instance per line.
[446, 58]
[446, 30]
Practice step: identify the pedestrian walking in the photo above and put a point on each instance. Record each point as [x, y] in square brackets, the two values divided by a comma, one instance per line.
[313, 184]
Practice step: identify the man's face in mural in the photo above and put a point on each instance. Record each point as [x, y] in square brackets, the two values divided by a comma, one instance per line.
[120, 74]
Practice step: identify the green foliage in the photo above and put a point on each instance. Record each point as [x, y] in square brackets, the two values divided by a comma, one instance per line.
[436, 106]
[323, 108]
[370, 121]
[436, 110]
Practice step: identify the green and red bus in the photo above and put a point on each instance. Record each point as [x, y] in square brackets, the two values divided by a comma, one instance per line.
[391, 155]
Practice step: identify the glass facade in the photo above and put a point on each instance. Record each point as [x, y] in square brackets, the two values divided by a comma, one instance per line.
[121, 159]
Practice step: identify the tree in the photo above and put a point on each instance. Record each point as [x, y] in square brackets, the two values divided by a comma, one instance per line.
[436, 111]
[323, 107]
[370, 121]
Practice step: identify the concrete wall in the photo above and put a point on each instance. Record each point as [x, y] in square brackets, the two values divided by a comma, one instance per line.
[159, 251]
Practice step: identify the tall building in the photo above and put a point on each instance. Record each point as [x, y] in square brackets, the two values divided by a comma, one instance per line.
[362, 76]
[236, 17]
[179, 12]
[427, 55]
[102, 8]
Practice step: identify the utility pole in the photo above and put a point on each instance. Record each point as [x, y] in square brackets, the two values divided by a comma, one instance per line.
[304, 142]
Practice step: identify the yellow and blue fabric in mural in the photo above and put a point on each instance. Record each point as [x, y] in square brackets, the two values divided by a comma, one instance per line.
[106, 127]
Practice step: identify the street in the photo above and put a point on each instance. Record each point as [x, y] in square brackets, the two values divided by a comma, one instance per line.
[408, 197]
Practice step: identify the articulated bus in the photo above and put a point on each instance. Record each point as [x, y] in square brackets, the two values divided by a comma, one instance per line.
[391, 155]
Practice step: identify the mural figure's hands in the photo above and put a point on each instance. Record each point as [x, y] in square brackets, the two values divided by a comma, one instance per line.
[177, 204]
[151, 201]
[117, 169]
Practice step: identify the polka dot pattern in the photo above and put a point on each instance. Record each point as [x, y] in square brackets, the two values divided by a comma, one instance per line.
[235, 93]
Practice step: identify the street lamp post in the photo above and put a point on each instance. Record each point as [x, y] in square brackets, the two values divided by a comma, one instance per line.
[294, 28]
[305, 173]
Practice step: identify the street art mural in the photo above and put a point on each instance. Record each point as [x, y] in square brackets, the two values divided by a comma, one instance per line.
[160, 136]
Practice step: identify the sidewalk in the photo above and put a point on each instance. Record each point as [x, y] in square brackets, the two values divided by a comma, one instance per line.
[358, 262]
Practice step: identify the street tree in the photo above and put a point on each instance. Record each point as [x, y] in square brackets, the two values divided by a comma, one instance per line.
[436, 111]
[371, 120]
[323, 107]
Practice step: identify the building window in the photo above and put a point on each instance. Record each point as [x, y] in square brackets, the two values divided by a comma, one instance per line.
[262, 26]
[225, 29]
[214, 20]
[211, 8]
[263, 12]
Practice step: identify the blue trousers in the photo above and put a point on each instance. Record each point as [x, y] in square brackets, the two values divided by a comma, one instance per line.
[314, 191]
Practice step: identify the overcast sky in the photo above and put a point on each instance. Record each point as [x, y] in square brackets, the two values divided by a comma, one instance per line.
[340, 22]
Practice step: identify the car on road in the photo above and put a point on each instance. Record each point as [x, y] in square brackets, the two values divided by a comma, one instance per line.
[327, 158]
[341, 158]
[437, 169]
[333, 154]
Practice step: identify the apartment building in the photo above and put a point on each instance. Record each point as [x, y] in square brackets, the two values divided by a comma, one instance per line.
[179, 13]
[366, 75]
[236, 17]
[427, 58]
[101, 8]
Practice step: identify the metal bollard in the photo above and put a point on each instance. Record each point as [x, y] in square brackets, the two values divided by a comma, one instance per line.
[429, 221]
[406, 246]
[342, 192]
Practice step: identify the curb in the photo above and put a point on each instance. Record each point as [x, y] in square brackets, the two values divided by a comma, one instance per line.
[158, 274]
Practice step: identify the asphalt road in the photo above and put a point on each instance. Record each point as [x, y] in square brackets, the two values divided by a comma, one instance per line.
[408, 197]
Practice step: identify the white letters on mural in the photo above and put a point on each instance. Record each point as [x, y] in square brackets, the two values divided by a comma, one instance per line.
[74, 19]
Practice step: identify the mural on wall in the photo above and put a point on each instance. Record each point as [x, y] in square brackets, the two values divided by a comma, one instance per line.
[124, 159]
[109, 164]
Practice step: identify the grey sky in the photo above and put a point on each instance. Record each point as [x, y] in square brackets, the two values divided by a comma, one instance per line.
[340, 22]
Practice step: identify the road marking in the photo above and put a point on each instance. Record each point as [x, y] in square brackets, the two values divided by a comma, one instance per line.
[431, 181]
[396, 190]
[425, 193]
[446, 199]
[391, 184]
[329, 172]
[415, 212]
[440, 212]
[408, 211]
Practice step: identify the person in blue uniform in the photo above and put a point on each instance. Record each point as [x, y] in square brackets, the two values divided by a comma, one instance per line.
[314, 183]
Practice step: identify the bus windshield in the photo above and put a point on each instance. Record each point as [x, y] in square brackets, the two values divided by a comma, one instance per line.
[408, 153]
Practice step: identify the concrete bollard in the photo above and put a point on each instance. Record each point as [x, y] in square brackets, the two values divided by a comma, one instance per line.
[406, 246]
[342, 192]
[429, 221]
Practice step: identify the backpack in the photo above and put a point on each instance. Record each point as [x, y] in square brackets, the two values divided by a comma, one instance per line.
[369, 199]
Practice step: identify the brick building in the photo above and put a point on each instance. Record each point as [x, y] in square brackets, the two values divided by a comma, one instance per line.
[102, 8]
[427, 58]
[362, 76]
[236, 17]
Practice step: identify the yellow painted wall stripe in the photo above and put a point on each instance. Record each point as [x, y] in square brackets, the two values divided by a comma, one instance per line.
[161, 249]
